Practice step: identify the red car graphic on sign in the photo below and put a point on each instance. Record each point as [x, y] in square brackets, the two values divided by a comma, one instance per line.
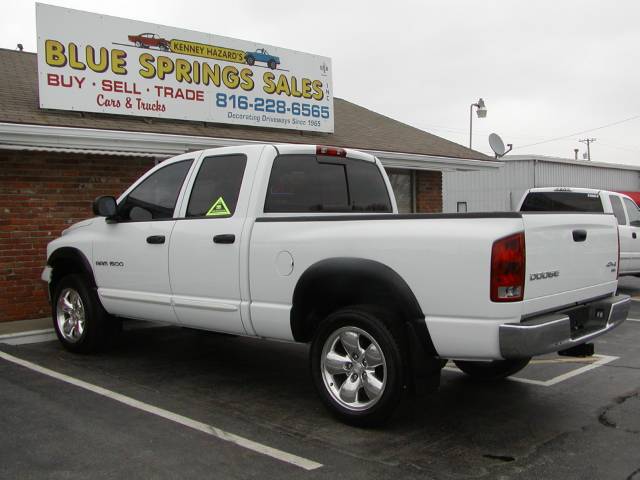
[146, 40]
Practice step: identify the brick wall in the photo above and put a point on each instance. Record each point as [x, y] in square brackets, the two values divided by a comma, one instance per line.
[428, 192]
[40, 195]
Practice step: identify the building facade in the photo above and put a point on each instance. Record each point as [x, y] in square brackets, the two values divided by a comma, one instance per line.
[502, 189]
[53, 164]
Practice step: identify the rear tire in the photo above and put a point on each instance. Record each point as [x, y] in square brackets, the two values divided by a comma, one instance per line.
[81, 323]
[491, 371]
[250, 60]
[357, 366]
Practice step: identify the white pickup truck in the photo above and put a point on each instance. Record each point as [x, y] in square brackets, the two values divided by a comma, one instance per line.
[563, 199]
[304, 244]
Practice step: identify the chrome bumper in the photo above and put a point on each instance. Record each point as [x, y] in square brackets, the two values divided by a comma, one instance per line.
[564, 329]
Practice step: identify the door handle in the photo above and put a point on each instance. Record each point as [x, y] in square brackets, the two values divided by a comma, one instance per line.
[155, 239]
[633, 235]
[579, 235]
[224, 238]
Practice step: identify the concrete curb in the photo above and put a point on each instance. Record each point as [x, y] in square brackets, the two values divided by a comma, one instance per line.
[25, 325]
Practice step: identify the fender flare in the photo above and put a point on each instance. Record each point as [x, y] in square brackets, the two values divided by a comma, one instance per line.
[353, 277]
[74, 258]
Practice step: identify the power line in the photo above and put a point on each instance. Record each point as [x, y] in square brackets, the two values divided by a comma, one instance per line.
[580, 132]
[621, 147]
[462, 132]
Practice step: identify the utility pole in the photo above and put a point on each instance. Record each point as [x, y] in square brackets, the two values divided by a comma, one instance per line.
[588, 141]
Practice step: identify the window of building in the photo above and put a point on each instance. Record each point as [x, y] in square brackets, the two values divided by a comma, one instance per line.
[618, 211]
[402, 183]
[310, 183]
[633, 212]
[155, 198]
[461, 207]
[217, 187]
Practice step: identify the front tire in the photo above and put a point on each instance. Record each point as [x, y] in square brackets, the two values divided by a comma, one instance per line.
[81, 323]
[357, 366]
[491, 371]
[272, 64]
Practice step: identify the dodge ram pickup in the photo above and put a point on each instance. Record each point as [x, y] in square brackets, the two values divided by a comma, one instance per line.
[303, 243]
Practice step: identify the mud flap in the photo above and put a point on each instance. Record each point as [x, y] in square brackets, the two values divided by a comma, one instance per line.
[425, 367]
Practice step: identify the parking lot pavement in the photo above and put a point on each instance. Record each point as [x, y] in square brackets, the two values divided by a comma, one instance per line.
[630, 286]
[586, 425]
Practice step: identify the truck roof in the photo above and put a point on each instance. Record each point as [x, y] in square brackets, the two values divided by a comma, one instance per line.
[300, 149]
[566, 189]
[578, 190]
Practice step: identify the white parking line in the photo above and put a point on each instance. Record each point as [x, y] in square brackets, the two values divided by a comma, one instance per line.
[301, 462]
[31, 336]
[633, 320]
[602, 360]
[48, 334]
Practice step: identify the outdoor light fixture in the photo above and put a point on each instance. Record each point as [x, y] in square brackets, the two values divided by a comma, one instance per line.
[481, 111]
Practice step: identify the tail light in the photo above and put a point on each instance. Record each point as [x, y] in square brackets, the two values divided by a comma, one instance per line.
[331, 151]
[508, 268]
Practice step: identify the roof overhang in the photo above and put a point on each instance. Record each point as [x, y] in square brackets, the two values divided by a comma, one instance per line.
[20, 136]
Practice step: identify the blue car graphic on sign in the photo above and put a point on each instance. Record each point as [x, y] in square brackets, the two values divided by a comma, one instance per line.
[261, 55]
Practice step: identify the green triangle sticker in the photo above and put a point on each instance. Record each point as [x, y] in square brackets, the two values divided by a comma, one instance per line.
[219, 208]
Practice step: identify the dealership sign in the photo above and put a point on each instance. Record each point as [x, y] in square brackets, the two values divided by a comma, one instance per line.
[97, 63]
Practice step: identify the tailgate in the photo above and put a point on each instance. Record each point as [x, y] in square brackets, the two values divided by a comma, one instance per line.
[569, 252]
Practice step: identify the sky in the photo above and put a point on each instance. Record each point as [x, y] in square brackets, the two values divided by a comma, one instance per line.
[547, 70]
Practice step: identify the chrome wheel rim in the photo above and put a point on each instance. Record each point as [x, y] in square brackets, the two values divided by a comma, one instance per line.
[354, 369]
[70, 315]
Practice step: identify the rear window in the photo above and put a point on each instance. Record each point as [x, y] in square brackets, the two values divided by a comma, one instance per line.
[562, 202]
[315, 183]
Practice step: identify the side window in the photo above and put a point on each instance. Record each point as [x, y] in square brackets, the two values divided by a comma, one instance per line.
[301, 183]
[618, 211]
[633, 212]
[367, 188]
[155, 198]
[217, 186]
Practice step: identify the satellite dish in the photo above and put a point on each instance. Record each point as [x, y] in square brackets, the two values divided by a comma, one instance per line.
[497, 145]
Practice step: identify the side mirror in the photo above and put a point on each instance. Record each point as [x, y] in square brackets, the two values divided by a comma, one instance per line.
[105, 207]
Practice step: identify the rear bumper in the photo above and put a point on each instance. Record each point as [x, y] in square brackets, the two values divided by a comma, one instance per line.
[564, 329]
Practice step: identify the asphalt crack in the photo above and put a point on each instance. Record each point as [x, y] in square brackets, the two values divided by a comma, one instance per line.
[502, 458]
[605, 416]
[634, 475]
